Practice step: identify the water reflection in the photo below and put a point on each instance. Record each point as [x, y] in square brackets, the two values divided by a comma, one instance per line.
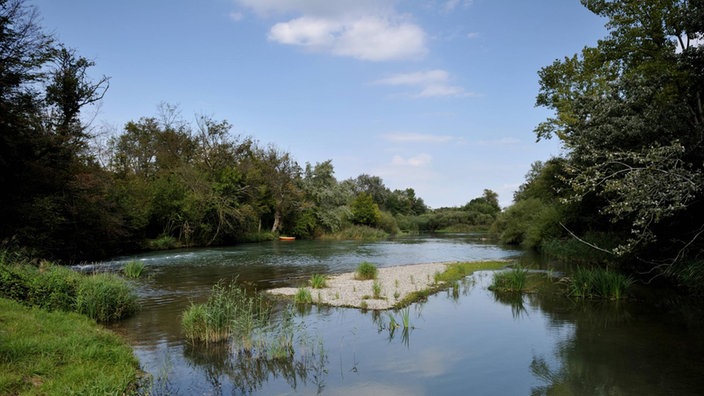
[464, 340]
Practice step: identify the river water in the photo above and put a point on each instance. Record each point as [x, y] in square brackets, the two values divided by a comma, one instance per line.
[462, 341]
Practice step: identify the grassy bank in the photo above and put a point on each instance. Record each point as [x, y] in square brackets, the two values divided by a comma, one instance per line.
[60, 353]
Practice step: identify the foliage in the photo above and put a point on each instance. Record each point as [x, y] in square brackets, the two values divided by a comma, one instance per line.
[365, 270]
[629, 113]
[365, 211]
[513, 280]
[598, 283]
[528, 223]
[302, 296]
[318, 281]
[61, 353]
[106, 298]
[230, 312]
[133, 269]
[101, 297]
[376, 289]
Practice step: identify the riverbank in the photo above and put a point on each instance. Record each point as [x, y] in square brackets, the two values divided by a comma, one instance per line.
[51, 353]
[395, 286]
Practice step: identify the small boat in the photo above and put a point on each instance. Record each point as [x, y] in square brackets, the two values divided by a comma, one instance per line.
[287, 238]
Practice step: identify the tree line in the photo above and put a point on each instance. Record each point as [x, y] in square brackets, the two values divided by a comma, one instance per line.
[162, 181]
[629, 113]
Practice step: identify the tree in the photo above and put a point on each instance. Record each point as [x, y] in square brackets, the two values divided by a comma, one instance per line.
[365, 211]
[629, 111]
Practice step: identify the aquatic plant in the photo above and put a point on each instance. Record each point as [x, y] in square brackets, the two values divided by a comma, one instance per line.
[229, 312]
[406, 317]
[303, 296]
[513, 280]
[598, 283]
[318, 281]
[365, 271]
[133, 269]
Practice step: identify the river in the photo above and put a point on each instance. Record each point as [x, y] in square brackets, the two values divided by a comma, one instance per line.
[462, 341]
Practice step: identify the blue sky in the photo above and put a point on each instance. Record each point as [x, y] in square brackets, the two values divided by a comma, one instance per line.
[437, 96]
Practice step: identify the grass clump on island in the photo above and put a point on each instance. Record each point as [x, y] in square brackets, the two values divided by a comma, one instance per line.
[453, 273]
[52, 353]
[318, 281]
[366, 271]
[133, 269]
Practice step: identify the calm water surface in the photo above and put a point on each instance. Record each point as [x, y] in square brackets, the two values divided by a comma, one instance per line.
[466, 341]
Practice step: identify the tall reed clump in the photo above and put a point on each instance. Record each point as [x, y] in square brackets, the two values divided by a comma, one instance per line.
[106, 298]
[133, 269]
[513, 280]
[366, 271]
[598, 283]
[302, 296]
[229, 312]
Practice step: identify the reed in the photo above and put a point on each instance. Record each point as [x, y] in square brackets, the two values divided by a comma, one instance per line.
[598, 283]
[230, 312]
[366, 271]
[376, 289]
[513, 280]
[406, 317]
[318, 281]
[303, 296]
[133, 269]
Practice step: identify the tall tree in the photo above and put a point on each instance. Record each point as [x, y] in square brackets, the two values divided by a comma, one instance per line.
[630, 113]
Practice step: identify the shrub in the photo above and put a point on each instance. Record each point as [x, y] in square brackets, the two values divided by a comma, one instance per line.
[106, 298]
[365, 271]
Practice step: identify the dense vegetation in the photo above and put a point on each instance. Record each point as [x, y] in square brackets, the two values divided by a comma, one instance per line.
[161, 181]
[629, 113]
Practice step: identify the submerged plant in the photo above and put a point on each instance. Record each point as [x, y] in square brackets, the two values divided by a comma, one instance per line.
[365, 271]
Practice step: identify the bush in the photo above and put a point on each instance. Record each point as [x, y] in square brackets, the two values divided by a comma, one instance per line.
[528, 223]
[106, 298]
[366, 270]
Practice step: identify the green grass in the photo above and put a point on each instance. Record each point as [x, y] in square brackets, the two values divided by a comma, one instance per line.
[513, 280]
[229, 313]
[133, 269]
[365, 271]
[59, 353]
[598, 283]
[376, 289]
[102, 297]
[452, 273]
[318, 281]
[106, 298]
[303, 296]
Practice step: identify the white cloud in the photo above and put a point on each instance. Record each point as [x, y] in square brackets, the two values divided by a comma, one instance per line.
[363, 29]
[416, 138]
[368, 38]
[419, 160]
[433, 83]
[451, 5]
[236, 16]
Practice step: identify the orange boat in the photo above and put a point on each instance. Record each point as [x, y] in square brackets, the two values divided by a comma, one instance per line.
[287, 238]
